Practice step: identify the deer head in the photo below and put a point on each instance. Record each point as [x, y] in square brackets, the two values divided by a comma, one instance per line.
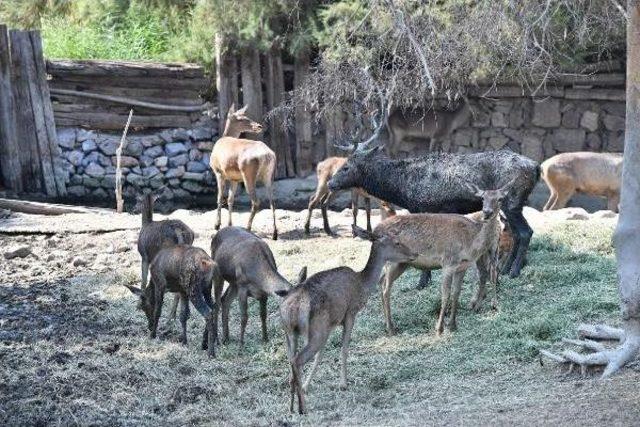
[238, 122]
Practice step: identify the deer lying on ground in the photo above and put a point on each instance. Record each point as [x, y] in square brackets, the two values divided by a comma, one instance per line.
[596, 174]
[451, 242]
[189, 272]
[157, 235]
[248, 265]
[237, 160]
[325, 171]
[328, 299]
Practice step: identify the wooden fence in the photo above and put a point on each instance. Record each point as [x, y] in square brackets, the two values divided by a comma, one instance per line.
[29, 152]
[99, 94]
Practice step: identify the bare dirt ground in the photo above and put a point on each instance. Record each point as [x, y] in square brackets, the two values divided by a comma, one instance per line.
[74, 349]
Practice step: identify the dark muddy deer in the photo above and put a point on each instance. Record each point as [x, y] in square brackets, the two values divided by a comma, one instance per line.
[329, 299]
[235, 160]
[189, 272]
[323, 196]
[157, 235]
[247, 264]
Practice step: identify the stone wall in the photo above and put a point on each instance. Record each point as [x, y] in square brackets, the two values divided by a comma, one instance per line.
[177, 159]
[537, 128]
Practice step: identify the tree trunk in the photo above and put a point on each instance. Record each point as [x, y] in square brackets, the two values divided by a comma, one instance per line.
[627, 235]
[252, 83]
[226, 79]
[332, 131]
[275, 93]
[304, 143]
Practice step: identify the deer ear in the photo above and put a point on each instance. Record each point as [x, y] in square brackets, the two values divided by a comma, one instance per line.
[504, 190]
[474, 189]
[232, 109]
[302, 275]
[363, 234]
[243, 109]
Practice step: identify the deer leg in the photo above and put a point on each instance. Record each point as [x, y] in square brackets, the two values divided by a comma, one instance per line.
[174, 309]
[227, 299]
[269, 188]
[562, 199]
[613, 200]
[425, 279]
[221, 186]
[184, 316]
[325, 215]
[313, 202]
[367, 207]
[482, 264]
[291, 342]
[456, 287]
[552, 198]
[346, 338]
[314, 367]
[144, 274]
[218, 286]
[263, 319]
[522, 235]
[244, 313]
[355, 200]
[197, 299]
[318, 334]
[158, 290]
[249, 178]
[233, 188]
[393, 272]
[445, 293]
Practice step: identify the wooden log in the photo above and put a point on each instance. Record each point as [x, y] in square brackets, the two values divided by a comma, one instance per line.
[109, 109]
[144, 94]
[65, 68]
[68, 99]
[25, 130]
[39, 208]
[199, 84]
[512, 92]
[225, 71]
[596, 94]
[9, 152]
[274, 80]
[606, 79]
[44, 99]
[132, 102]
[107, 121]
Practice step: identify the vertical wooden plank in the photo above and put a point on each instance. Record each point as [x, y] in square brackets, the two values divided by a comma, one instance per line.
[37, 115]
[275, 95]
[251, 75]
[9, 153]
[304, 143]
[47, 113]
[224, 85]
[25, 131]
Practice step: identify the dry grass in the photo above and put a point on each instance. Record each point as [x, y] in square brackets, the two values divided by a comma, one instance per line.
[74, 349]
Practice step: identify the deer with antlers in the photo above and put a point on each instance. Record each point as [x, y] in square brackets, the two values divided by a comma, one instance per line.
[235, 160]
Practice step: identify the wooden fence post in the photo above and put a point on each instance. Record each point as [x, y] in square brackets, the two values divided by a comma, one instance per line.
[304, 143]
[9, 152]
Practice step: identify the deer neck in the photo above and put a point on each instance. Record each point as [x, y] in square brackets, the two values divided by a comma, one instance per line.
[487, 231]
[231, 130]
[370, 275]
[147, 212]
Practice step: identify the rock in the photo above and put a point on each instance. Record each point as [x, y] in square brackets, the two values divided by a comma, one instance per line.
[84, 135]
[133, 148]
[104, 160]
[19, 252]
[90, 182]
[151, 140]
[546, 113]
[604, 214]
[174, 148]
[117, 248]
[109, 181]
[100, 194]
[571, 118]
[108, 147]
[196, 167]
[513, 134]
[567, 140]
[532, 147]
[94, 170]
[589, 121]
[67, 138]
[461, 138]
[192, 176]
[166, 136]
[497, 142]
[150, 172]
[137, 170]
[136, 180]
[206, 157]
[156, 182]
[125, 161]
[76, 191]
[146, 161]
[75, 157]
[111, 170]
[179, 160]
[175, 172]
[75, 179]
[180, 135]
[594, 142]
[192, 187]
[181, 194]
[89, 145]
[613, 123]
[161, 161]
[201, 133]
[615, 142]
[93, 157]
[154, 152]
[195, 154]
[516, 117]
[78, 261]
[499, 120]
[174, 182]
[205, 145]
[616, 108]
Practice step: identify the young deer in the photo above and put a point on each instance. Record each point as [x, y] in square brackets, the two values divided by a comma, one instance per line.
[157, 235]
[451, 242]
[237, 160]
[325, 170]
[248, 265]
[328, 299]
[189, 272]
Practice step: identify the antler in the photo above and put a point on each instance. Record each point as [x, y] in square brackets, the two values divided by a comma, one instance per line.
[381, 121]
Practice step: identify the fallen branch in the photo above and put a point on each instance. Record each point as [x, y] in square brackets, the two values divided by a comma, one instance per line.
[39, 208]
[119, 198]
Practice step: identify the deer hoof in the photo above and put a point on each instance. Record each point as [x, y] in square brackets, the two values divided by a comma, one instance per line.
[216, 227]
[275, 235]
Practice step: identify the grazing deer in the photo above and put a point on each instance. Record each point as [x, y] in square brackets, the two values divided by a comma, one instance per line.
[157, 235]
[596, 174]
[188, 271]
[237, 160]
[328, 299]
[451, 242]
[248, 265]
[325, 170]
[434, 125]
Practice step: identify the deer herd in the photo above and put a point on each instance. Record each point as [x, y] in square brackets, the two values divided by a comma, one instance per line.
[465, 210]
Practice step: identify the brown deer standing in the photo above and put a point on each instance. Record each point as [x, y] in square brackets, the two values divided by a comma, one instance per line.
[434, 125]
[236, 160]
[325, 170]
